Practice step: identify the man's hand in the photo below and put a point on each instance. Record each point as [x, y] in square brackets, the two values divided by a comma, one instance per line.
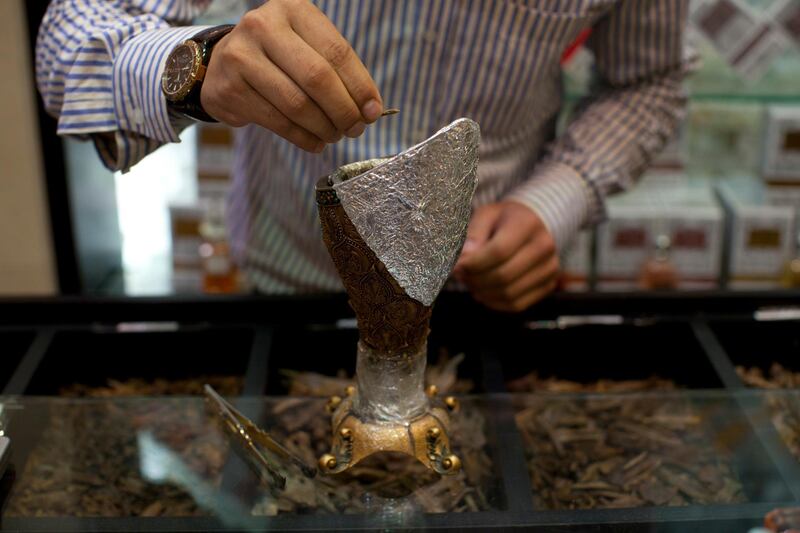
[286, 68]
[509, 260]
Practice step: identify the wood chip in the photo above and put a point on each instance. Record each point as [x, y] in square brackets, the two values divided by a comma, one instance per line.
[616, 452]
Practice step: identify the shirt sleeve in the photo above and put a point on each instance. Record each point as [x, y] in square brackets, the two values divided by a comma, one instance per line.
[98, 69]
[641, 60]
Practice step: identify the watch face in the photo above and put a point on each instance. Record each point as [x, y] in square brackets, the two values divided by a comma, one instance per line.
[179, 71]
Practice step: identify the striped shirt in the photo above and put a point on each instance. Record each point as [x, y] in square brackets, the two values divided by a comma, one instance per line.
[99, 64]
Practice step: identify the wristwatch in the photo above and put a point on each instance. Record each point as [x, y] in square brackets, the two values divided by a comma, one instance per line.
[184, 72]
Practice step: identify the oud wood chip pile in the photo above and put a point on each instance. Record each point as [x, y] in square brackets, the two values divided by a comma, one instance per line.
[619, 452]
[785, 409]
[118, 388]
[87, 461]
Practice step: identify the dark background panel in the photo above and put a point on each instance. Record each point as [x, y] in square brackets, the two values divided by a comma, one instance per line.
[13, 346]
[759, 344]
[585, 354]
[91, 358]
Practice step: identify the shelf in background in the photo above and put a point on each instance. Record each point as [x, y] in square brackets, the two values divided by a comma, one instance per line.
[716, 81]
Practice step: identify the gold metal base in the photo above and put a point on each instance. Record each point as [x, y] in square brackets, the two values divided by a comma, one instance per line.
[425, 437]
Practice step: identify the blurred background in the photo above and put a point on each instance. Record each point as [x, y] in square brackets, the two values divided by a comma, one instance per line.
[717, 209]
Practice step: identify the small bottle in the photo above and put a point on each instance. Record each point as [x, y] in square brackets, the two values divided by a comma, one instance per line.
[658, 272]
[219, 270]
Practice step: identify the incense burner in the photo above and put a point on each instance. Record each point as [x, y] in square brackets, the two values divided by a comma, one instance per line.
[394, 228]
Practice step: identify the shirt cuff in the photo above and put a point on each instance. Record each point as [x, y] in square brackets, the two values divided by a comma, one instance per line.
[139, 105]
[561, 198]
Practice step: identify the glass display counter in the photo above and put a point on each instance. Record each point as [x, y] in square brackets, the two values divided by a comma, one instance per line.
[679, 461]
[622, 413]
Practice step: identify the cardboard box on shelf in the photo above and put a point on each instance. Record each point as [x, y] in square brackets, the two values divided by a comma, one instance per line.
[784, 194]
[689, 216]
[748, 41]
[185, 222]
[787, 15]
[761, 237]
[187, 266]
[781, 156]
[214, 159]
[215, 149]
[624, 242]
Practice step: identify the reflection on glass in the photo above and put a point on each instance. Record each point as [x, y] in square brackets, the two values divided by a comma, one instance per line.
[86, 460]
[623, 452]
[167, 456]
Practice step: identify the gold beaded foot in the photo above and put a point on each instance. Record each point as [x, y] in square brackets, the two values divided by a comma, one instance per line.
[425, 437]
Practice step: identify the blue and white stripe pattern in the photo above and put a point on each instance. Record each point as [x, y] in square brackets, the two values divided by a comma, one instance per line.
[99, 64]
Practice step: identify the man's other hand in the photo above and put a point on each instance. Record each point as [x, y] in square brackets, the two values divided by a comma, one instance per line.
[287, 68]
[509, 260]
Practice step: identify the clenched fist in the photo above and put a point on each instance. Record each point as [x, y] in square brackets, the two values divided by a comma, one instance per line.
[286, 68]
[509, 260]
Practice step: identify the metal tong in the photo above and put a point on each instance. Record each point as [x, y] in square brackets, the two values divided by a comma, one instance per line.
[251, 438]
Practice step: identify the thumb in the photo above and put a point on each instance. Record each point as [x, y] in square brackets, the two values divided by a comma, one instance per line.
[481, 227]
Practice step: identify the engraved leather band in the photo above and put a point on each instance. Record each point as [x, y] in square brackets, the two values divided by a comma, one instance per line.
[389, 321]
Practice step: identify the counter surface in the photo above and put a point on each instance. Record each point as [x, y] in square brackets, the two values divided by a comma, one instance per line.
[708, 454]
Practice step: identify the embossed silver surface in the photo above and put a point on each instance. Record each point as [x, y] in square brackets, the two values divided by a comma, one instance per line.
[413, 209]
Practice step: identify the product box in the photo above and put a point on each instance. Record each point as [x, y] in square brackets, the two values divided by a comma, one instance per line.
[185, 223]
[784, 195]
[187, 268]
[781, 157]
[780, 169]
[214, 159]
[761, 237]
[748, 41]
[624, 243]
[787, 15]
[688, 215]
[576, 263]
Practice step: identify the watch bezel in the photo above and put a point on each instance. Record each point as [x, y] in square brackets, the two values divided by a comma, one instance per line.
[184, 89]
